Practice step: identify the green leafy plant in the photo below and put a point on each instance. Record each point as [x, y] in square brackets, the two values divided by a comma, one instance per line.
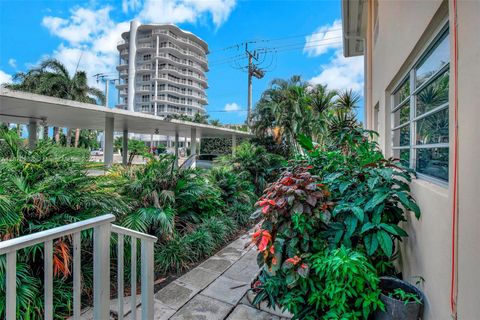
[371, 194]
[350, 284]
[135, 148]
[344, 200]
[42, 189]
[338, 284]
[254, 161]
[406, 297]
[172, 256]
[192, 212]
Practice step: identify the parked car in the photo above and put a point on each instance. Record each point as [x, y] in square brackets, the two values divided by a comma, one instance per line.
[96, 152]
[205, 161]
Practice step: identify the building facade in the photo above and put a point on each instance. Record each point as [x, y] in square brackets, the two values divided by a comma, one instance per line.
[162, 70]
[421, 95]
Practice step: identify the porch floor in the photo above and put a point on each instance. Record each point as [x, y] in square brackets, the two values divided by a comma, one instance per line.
[215, 290]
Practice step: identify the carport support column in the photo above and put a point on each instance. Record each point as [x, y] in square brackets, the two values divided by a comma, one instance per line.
[125, 148]
[177, 142]
[108, 133]
[234, 143]
[32, 134]
[193, 141]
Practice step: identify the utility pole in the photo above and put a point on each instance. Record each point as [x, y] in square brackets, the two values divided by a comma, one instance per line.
[106, 92]
[251, 56]
[104, 77]
[249, 102]
[254, 71]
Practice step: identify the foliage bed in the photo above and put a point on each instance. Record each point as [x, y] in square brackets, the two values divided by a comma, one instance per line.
[192, 212]
[330, 227]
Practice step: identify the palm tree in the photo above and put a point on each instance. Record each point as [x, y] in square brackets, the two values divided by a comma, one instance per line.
[322, 100]
[215, 122]
[52, 78]
[289, 103]
[347, 100]
[200, 118]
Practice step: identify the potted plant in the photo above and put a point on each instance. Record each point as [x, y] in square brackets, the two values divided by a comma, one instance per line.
[402, 300]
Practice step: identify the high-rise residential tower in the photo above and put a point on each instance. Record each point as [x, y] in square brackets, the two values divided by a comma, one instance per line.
[162, 70]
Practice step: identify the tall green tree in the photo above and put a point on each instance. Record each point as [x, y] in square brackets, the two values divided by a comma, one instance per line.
[292, 108]
[52, 78]
[321, 100]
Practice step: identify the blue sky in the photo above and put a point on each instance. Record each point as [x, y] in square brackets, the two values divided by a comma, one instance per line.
[300, 37]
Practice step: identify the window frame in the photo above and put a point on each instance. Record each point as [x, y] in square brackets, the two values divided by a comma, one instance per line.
[411, 100]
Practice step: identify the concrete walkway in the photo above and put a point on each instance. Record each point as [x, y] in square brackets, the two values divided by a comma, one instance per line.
[215, 290]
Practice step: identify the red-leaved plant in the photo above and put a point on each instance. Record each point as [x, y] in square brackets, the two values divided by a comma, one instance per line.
[294, 210]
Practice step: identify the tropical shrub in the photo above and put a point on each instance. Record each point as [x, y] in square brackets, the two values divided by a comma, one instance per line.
[172, 255]
[135, 148]
[41, 189]
[197, 197]
[337, 284]
[217, 145]
[371, 194]
[192, 212]
[338, 202]
[260, 166]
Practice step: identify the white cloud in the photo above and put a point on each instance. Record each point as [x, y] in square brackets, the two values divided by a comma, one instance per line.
[84, 25]
[12, 62]
[87, 60]
[339, 73]
[231, 107]
[91, 35]
[179, 11]
[128, 5]
[5, 77]
[325, 38]
[342, 73]
[90, 40]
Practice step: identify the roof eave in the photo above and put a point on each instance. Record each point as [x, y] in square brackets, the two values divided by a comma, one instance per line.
[354, 20]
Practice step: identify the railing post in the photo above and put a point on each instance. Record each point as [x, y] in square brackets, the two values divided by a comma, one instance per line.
[11, 283]
[133, 278]
[77, 276]
[48, 276]
[101, 272]
[147, 279]
[120, 275]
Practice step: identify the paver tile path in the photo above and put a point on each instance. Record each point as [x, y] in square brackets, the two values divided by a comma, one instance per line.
[215, 290]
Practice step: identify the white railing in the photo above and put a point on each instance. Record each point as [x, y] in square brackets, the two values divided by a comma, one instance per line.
[180, 61]
[102, 230]
[174, 36]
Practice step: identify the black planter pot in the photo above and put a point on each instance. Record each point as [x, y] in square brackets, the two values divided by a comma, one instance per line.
[397, 309]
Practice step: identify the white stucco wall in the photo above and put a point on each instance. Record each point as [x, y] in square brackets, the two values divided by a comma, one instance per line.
[469, 155]
[404, 29]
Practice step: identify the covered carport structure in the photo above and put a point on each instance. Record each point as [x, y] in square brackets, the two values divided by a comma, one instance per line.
[34, 110]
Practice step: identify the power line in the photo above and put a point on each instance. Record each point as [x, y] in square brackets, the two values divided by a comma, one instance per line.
[240, 45]
[302, 35]
[320, 41]
[275, 50]
[227, 111]
[323, 41]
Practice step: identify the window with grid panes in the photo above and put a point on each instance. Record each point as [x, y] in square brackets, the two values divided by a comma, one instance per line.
[420, 136]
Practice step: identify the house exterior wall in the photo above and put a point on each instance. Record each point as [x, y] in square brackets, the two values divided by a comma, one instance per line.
[397, 34]
[469, 153]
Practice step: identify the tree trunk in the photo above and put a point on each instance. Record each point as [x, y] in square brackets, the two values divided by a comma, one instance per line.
[77, 137]
[69, 137]
[45, 132]
[56, 134]
[19, 130]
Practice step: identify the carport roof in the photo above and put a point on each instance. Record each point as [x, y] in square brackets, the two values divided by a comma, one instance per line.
[24, 107]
